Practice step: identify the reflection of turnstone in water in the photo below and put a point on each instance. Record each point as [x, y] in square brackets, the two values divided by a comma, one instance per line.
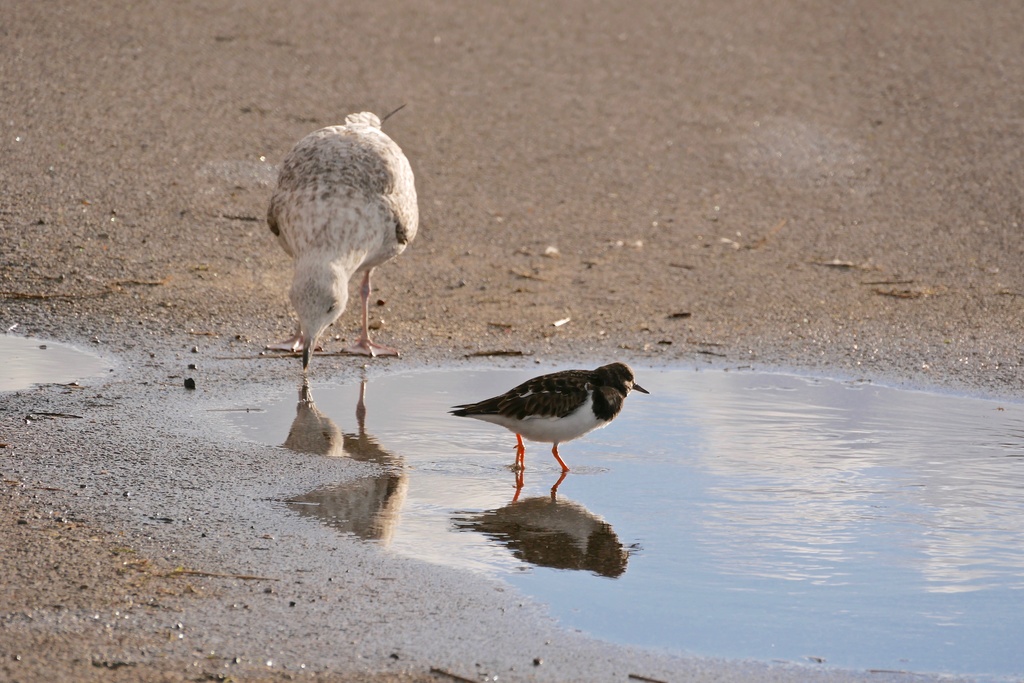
[554, 533]
[558, 407]
[345, 203]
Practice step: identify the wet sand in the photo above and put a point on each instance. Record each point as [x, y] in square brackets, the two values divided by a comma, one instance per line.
[834, 190]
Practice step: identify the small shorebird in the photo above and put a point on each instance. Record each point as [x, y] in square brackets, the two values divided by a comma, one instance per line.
[558, 407]
[345, 203]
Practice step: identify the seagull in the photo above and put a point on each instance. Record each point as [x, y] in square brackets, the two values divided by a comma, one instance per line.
[558, 407]
[345, 203]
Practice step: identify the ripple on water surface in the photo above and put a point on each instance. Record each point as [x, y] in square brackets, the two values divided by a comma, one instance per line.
[726, 514]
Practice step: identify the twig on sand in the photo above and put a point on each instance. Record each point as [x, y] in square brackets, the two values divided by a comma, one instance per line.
[76, 417]
[915, 293]
[216, 575]
[496, 352]
[638, 677]
[888, 282]
[844, 265]
[528, 276]
[771, 233]
[142, 283]
[33, 296]
[449, 674]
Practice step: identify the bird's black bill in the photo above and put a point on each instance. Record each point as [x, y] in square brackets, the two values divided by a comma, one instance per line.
[637, 387]
[305, 356]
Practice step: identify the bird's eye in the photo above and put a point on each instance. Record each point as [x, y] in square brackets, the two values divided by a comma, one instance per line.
[330, 309]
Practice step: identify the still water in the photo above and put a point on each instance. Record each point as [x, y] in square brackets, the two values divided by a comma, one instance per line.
[727, 514]
[25, 361]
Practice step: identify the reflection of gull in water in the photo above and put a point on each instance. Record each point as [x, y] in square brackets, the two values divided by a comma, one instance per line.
[314, 432]
[367, 507]
[548, 532]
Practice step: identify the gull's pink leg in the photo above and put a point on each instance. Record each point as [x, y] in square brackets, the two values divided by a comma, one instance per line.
[363, 346]
[294, 344]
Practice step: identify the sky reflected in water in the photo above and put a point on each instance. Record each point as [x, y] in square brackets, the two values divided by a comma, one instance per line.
[28, 361]
[727, 514]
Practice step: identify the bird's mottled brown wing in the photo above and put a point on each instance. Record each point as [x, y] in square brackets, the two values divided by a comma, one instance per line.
[551, 395]
[544, 404]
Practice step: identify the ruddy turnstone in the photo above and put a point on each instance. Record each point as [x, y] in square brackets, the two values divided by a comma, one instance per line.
[345, 203]
[558, 407]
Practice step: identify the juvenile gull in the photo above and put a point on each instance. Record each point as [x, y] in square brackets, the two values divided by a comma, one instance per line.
[345, 203]
[558, 407]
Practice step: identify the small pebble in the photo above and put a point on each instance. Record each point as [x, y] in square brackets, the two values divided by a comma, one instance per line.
[190, 383]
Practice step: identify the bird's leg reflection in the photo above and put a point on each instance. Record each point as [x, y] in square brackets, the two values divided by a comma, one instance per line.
[554, 489]
[519, 484]
[520, 481]
[361, 407]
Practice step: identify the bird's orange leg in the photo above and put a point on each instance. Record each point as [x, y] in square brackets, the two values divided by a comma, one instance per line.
[554, 452]
[520, 454]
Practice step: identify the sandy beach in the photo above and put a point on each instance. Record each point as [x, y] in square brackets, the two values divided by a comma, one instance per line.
[829, 189]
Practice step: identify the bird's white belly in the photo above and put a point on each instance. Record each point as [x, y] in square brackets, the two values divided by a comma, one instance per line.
[551, 429]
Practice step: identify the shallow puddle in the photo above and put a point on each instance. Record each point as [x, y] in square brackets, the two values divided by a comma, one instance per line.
[726, 514]
[27, 361]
